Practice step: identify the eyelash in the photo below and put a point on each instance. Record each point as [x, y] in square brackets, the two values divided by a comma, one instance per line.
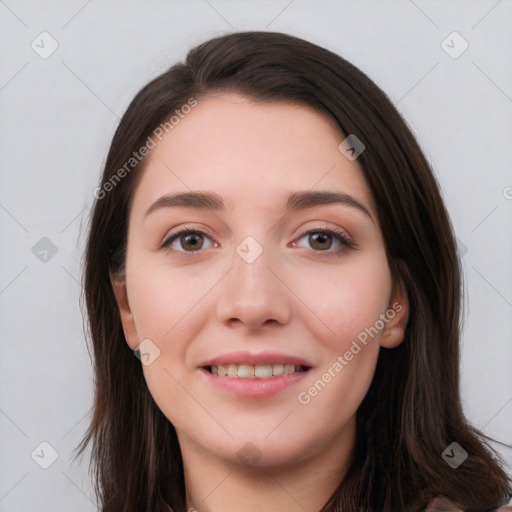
[342, 238]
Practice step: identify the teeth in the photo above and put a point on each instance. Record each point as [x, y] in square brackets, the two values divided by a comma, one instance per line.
[277, 369]
[249, 371]
[263, 371]
[245, 371]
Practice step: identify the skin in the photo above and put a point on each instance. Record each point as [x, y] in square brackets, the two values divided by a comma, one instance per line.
[294, 298]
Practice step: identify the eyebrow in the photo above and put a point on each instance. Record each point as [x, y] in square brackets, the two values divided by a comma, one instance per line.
[295, 201]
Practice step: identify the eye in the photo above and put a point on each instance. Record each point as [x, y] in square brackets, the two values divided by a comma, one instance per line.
[190, 240]
[322, 240]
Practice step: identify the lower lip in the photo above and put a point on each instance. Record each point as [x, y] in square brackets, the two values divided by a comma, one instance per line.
[255, 387]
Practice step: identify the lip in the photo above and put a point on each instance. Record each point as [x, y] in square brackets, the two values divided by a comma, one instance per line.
[252, 388]
[266, 357]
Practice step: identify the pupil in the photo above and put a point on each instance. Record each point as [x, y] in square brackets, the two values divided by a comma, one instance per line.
[322, 237]
[194, 244]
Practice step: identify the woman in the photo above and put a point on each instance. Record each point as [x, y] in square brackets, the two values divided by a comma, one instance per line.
[270, 242]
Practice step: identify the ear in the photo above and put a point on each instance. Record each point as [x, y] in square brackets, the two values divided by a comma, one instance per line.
[130, 332]
[398, 314]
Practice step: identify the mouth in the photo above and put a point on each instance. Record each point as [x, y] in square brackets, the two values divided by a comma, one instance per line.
[259, 371]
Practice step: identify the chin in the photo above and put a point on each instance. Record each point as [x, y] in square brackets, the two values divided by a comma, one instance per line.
[254, 451]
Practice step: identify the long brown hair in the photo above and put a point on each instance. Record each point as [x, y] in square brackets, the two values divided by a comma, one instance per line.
[412, 411]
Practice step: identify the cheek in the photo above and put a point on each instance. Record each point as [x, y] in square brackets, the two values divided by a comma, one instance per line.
[167, 300]
[345, 300]
[349, 301]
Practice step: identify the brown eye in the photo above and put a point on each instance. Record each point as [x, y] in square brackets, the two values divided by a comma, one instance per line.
[190, 241]
[328, 240]
[320, 240]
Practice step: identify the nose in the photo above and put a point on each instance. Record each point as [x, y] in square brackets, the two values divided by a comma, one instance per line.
[254, 293]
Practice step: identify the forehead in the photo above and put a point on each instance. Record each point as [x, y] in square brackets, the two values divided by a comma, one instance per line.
[250, 152]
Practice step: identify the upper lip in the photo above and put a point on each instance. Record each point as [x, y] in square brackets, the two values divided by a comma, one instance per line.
[259, 358]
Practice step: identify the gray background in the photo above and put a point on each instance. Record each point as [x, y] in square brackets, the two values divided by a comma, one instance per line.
[58, 115]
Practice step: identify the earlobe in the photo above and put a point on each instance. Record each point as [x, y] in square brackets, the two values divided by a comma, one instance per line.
[130, 332]
[391, 337]
[393, 333]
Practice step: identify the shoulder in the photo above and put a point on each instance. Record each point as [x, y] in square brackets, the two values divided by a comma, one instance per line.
[443, 504]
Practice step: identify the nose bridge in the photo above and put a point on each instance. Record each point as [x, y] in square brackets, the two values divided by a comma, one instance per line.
[252, 293]
[250, 275]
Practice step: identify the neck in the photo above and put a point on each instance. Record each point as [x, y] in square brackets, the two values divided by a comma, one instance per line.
[304, 484]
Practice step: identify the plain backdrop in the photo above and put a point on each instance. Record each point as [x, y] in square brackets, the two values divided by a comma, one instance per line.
[58, 112]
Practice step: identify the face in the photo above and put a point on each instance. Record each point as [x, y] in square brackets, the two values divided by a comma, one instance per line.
[259, 285]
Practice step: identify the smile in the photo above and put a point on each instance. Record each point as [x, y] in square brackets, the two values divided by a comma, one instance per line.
[260, 371]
